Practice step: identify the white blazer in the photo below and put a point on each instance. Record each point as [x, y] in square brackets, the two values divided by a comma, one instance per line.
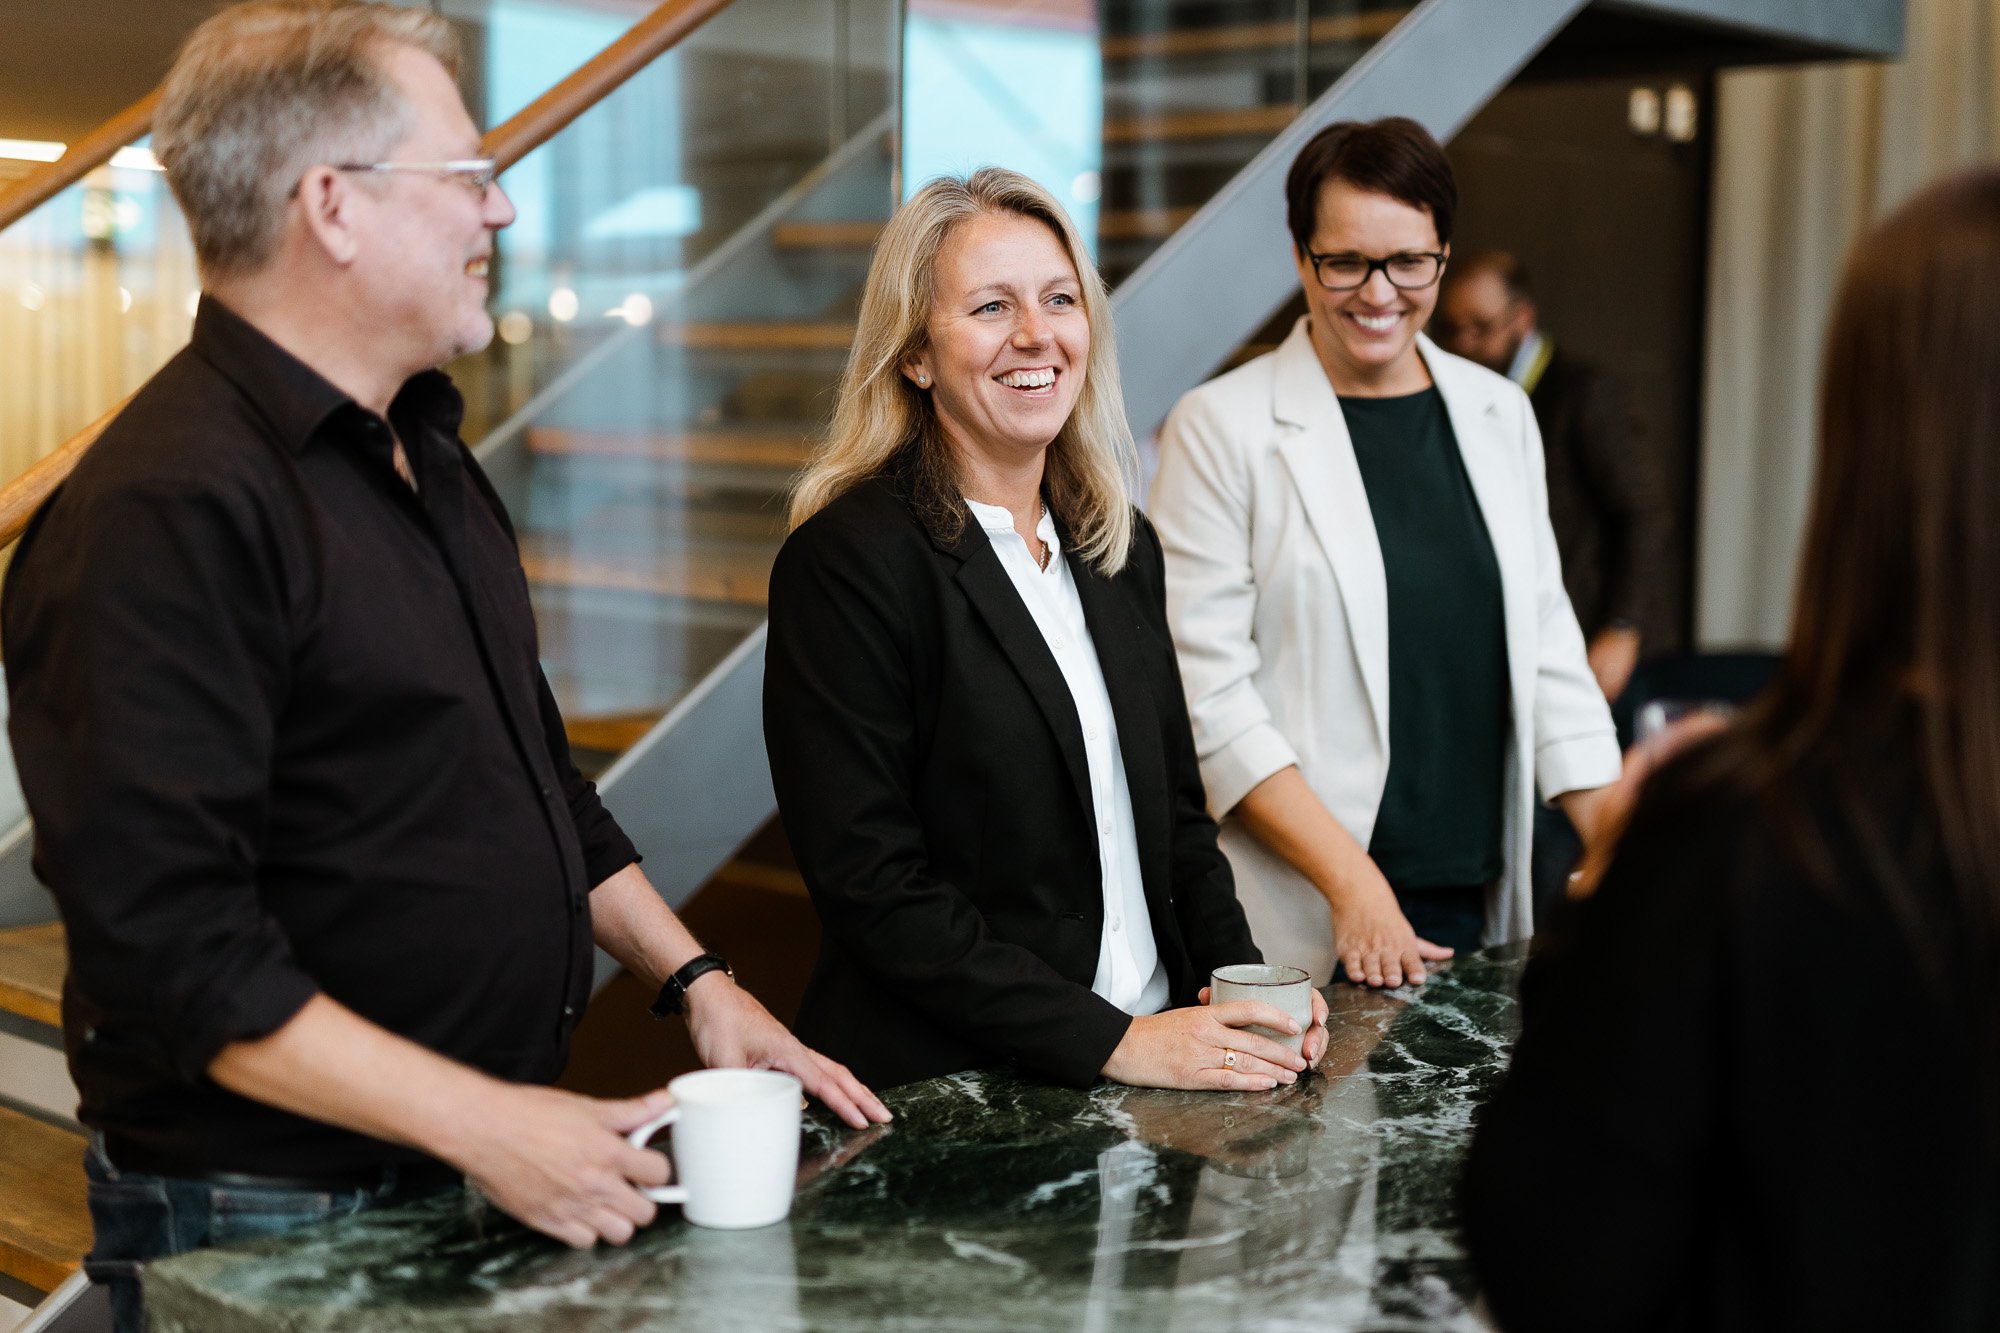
[1280, 615]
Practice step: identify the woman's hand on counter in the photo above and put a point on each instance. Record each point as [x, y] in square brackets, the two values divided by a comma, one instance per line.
[1191, 1048]
[1372, 938]
[731, 1030]
[1316, 1038]
[559, 1162]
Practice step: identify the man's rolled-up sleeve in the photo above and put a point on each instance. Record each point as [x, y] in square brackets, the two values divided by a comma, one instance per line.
[146, 669]
[606, 847]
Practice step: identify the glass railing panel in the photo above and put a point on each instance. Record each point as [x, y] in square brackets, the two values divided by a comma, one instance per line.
[674, 305]
[97, 290]
[1193, 89]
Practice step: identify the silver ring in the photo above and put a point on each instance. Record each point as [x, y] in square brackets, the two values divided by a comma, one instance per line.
[1228, 1058]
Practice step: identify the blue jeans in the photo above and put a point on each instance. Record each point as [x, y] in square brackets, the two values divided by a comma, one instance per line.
[138, 1218]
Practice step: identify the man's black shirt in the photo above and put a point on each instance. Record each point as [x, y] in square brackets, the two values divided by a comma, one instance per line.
[282, 730]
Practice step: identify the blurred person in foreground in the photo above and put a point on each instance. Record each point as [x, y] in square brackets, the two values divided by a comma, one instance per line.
[1758, 1079]
[330, 881]
[971, 706]
[1381, 663]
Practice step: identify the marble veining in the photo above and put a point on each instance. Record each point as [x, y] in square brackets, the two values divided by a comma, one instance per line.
[992, 1203]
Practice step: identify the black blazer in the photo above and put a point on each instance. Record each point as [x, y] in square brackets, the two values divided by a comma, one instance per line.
[1741, 1099]
[930, 772]
[1611, 517]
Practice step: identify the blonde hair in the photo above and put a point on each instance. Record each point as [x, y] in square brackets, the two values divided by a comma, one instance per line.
[261, 93]
[1092, 464]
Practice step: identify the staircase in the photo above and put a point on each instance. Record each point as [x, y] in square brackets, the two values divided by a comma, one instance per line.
[44, 1228]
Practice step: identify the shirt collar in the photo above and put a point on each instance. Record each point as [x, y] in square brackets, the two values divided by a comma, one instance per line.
[295, 399]
[1525, 357]
[998, 520]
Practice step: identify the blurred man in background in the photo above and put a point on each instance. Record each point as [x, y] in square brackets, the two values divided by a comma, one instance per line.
[1610, 518]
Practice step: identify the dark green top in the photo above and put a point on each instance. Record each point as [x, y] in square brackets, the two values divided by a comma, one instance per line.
[1441, 811]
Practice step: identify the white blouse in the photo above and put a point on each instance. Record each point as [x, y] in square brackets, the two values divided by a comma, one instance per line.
[1129, 971]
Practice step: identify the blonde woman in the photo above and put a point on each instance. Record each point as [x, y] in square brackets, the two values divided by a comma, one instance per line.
[971, 704]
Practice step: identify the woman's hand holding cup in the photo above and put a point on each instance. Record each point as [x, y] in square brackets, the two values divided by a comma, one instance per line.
[1208, 1046]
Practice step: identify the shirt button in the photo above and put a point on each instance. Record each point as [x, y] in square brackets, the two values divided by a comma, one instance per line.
[1117, 923]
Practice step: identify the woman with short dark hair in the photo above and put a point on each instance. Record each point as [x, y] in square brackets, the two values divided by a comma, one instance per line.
[1380, 660]
[1758, 1079]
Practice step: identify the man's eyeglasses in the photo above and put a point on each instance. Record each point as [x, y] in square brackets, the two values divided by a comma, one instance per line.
[1409, 272]
[475, 173]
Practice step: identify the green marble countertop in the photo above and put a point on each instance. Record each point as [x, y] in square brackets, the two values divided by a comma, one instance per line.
[992, 1203]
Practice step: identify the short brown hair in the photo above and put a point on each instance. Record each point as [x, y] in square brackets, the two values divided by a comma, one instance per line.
[262, 92]
[1502, 264]
[1394, 156]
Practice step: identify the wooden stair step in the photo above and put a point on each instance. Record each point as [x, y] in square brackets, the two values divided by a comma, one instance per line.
[1142, 223]
[1251, 36]
[44, 1220]
[745, 873]
[611, 733]
[854, 234]
[714, 574]
[760, 336]
[32, 962]
[1204, 124]
[758, 448]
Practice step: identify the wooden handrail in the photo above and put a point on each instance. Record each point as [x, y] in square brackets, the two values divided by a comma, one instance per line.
[528, 129]
[81, 158]
[644, 42]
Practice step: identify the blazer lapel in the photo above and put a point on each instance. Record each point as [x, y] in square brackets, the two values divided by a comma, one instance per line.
[1493, 468]
[999, 604]
[1320, 456]
[1116, 633]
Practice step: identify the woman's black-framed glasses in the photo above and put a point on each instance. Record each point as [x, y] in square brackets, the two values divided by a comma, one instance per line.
[1411, 271]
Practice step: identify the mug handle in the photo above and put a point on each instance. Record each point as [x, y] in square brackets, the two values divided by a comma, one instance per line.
[637, 1138]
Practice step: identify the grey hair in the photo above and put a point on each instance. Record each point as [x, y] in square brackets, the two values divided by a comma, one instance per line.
[261, 93]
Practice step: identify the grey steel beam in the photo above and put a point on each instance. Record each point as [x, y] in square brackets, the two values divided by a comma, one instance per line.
[1829, 28]
[1197, 297]
[697, 785]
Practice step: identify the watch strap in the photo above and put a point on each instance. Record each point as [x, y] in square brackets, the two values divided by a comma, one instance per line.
[673, 994]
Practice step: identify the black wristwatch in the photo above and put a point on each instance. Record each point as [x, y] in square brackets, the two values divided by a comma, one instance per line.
[673, 995]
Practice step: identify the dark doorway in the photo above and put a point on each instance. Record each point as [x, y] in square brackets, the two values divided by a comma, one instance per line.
[1612, 223]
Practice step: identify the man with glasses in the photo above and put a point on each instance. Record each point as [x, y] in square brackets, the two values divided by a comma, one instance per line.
[1379, 660]
[1610, 518]
[330, 880]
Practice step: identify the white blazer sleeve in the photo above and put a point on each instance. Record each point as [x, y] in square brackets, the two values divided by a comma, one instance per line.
[1576, 745]
[1201, 506]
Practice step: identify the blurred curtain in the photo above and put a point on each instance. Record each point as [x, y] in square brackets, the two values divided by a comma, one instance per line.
[1805, 160]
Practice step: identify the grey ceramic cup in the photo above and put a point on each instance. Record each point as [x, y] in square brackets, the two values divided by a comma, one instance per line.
[1285, 988]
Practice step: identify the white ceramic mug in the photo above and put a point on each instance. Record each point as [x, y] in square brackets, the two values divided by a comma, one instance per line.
[1288, 989]
[736, 1146]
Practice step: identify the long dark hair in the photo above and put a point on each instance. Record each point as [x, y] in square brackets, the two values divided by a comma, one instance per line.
[1895, 644]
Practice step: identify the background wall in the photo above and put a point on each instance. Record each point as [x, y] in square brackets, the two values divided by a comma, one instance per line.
[1805, 161]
